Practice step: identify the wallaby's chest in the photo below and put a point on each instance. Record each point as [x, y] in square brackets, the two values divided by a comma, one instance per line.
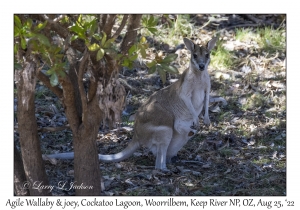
[195, 88]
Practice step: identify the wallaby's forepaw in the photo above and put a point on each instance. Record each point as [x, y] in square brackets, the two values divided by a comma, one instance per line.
[195, 126]
[206, 121]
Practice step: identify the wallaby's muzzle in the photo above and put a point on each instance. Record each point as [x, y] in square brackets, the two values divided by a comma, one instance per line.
[201, 67]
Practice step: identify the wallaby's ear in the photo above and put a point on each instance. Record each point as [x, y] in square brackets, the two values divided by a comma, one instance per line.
[189, 44]
[211, 43]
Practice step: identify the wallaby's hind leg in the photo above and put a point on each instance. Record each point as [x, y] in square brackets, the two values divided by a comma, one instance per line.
[180, 137]
[160, 139]
[178, 141]
[160, 162]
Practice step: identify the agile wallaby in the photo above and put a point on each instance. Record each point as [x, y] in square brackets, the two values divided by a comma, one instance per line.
[169, 118]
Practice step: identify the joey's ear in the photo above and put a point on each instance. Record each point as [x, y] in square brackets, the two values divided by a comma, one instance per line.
[189, 44]
[211, 43]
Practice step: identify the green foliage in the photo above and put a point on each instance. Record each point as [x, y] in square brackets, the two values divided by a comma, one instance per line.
[56, 70]
[39, 43]
[272, 40]
[149, 22]
[245, 35]
[268, 39]
[25, 32]
[221, 57]
[181, 26]
[163, 65]
[85, 28]
[133, 53]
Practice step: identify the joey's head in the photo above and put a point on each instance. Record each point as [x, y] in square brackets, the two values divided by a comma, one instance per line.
[200, 55]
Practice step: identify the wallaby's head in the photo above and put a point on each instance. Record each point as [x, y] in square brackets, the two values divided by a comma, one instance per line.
[200, 55]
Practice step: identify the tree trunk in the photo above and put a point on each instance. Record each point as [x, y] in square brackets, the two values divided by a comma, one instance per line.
[19, 175]
[84, 121]
[86, 162]
[29, 140]
[129, 39]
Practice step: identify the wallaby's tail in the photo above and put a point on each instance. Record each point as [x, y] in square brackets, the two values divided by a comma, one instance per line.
[65, 156]
[126, 153]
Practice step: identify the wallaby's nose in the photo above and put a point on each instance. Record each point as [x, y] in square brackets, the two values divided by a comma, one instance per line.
[201, 66]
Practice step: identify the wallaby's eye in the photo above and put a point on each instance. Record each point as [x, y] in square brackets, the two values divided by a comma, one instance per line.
[195, 56]
[207, 55]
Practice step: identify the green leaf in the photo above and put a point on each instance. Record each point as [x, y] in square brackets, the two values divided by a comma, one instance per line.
[50, 71]
[103, 39]
[133, 57]
[100, 54]
[108, 43]
[97, 36]
[79, 20]
[23, 43]
[169, 58]
[144, 21]
[16, 48]
[93, 27]
[170, 69]
[17, 21]
[54, 79]
[82, 36]
[77, 29]
[132, 49]
[28, 23]
[143, 52]
[16, 31]
[94, 47]
[74, 37]
[162, 74]
[40, 26]
[152, 30]
[142, 49]
[152, 69]
[151, 20]
[43, 39]
[60, 66]
[151, 64]
[29, 34]
[126, 62]
[62, 73]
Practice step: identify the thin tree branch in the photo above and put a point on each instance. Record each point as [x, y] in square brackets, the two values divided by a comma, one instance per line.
[102, 21]
[124, 20]
[128, 41]
[254, 19]
[60, 30]
[82, 67]
[59, 18]
[69, 102]
[109, 24]
[63, 32]
[93, 84]
[56, 90]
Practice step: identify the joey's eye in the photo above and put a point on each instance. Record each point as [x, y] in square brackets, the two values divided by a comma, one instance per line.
[195, 56]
